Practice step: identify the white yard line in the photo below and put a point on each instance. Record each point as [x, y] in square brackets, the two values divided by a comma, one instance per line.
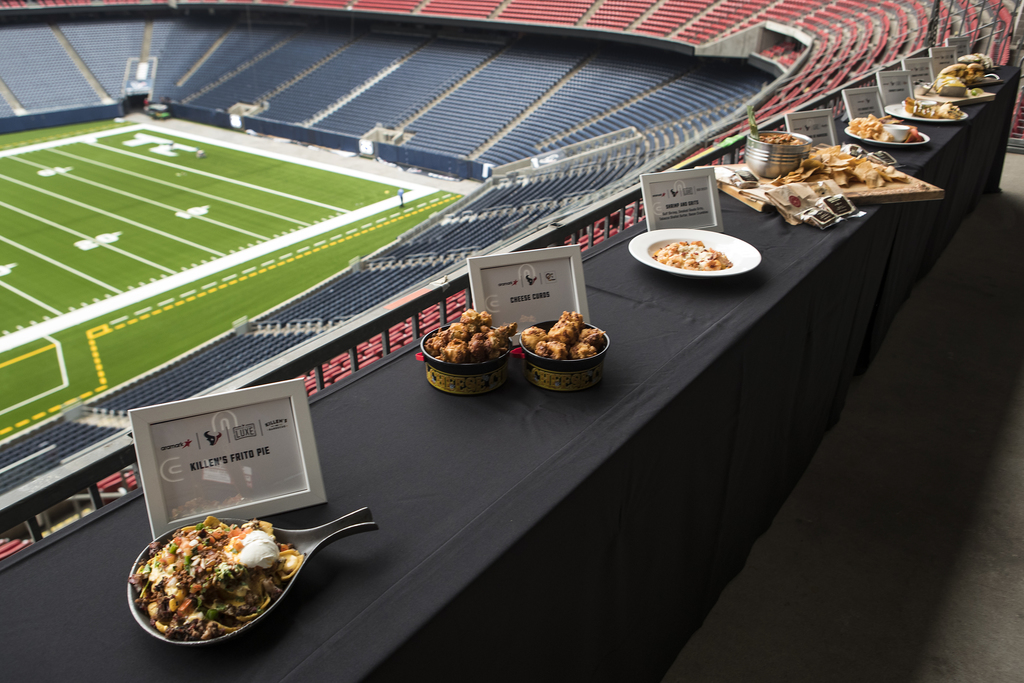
[182, 188]
[129, 221]
[57, 263]
[219, 177]
[29, 297]
[201, 272]
[84, 236]
[142, 199]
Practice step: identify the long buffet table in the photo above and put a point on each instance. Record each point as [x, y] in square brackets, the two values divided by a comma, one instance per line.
[535, 536]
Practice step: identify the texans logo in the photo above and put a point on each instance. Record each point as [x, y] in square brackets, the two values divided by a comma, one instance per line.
[530, 280]
[212, 438]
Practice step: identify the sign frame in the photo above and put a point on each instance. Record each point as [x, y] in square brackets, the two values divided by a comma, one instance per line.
[962, 44]
[570, 254]
[915, 66]
[870, 92]
[700, 173]
[889, 80]
[798, 118]
[147, 451]
[942, 57]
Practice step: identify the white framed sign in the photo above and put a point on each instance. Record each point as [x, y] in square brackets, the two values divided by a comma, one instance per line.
[894, 86]
[942, 57]
[245, 453]
[920, 68]
[819, 125]
[860, 102]
[682, 199]
[962, 45]
[529, 287]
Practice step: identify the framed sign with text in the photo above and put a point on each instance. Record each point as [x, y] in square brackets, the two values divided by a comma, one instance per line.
[942, 57]
[920, 68]
[245, 453]
[962, 45]
[861, 102]
[682, 199]
[819, 125]
[528, 287]
[894, 86]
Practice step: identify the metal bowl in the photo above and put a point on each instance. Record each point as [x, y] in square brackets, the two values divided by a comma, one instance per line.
[464, 379]
[768, 160]
[564, 375]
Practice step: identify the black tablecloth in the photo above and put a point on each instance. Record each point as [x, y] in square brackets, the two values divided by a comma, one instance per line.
[536, 536]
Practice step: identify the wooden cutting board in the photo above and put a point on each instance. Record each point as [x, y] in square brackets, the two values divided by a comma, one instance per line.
[920, 94]
[861, 195]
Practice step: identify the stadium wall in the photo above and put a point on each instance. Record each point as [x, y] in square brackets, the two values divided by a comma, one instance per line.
[62, 117]
[429, 161]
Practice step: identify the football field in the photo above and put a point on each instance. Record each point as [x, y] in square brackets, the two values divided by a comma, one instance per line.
[121, 249]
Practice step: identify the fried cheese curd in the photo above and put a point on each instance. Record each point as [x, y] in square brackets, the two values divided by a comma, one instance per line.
[212, 578]
[568, 339]
[692, 256]
[471, 340]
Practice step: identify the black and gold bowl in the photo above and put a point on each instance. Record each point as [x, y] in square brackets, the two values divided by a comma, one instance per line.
[464, 379]
[564, 375]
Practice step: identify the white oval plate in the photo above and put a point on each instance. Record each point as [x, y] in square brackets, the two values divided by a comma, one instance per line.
[890, 144]
[743, 256]
[899, 112]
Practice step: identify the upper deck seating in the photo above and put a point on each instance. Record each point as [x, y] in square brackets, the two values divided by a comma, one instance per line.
[363, 59]
[402, 93]
[39, 71]
[272, 71]
[484, 104]
[106, 47]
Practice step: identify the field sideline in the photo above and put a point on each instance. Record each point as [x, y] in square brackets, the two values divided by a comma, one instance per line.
[121, 249]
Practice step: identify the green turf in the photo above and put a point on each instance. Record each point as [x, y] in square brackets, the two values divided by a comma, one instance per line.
[122, 202]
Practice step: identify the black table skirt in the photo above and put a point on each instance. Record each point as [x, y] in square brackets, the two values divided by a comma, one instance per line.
[536, 536]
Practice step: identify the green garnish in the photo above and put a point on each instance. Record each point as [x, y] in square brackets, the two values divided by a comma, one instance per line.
[173, 547]
[200, 526]
[212, 614]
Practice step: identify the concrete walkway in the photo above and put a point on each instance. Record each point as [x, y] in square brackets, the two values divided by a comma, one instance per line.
[900, 554]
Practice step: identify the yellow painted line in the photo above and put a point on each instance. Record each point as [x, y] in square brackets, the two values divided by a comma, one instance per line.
[233, 282]
[157, 311]
[22, 423]
[133, 321]
[200, 295]
[119, 327]
[27, 355]
[38, 416]
[191, 298]
[85, 395]
[5, 430]
[168, 307]
[54, 409]
[179, 303]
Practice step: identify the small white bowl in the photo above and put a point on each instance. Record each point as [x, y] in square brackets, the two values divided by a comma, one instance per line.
[899, 133]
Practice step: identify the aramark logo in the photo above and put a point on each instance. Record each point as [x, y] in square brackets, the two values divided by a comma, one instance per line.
[213, 438]
[510, 283]
[181, 444]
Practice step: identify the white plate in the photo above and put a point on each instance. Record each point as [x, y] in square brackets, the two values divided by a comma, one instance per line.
[890, 144]
[743, 256]
[899, 112]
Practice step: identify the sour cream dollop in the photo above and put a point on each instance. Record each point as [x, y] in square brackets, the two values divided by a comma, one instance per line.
[258, 550]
